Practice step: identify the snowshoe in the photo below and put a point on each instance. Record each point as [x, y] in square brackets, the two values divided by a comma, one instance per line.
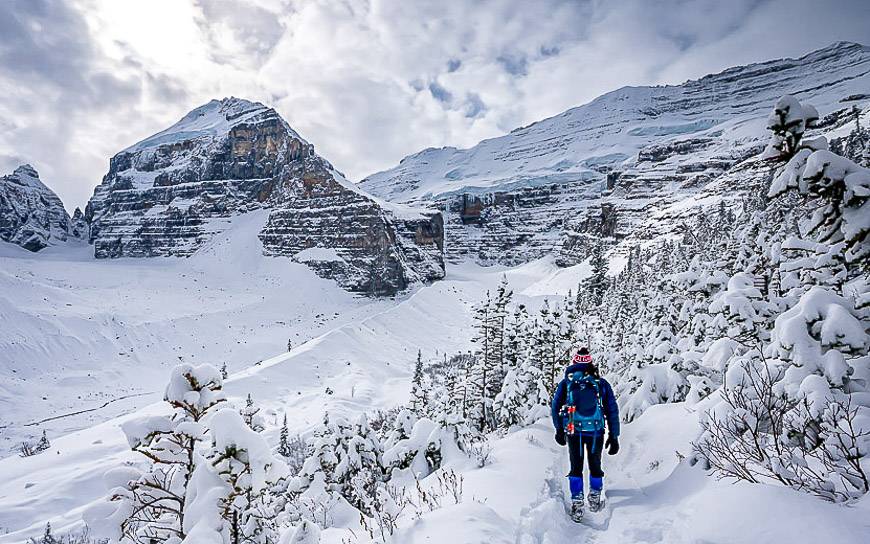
[577, 509]
[596, 501]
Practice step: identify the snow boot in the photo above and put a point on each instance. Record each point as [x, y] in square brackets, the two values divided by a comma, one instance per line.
[576, 485]
[577, 509]
[596, 502]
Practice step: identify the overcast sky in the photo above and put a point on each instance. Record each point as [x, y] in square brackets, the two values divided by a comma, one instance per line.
[366, 81]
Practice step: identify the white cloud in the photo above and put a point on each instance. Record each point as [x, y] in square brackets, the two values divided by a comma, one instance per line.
[366, 81]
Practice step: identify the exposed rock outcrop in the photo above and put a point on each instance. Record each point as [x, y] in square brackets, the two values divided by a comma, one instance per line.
[170, 193]
[31, 215]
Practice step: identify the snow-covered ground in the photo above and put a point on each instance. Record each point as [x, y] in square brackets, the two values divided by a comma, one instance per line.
[69, 323]
[653, 497]
[77, 333]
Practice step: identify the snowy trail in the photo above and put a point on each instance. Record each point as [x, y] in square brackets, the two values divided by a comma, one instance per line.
[654, 497]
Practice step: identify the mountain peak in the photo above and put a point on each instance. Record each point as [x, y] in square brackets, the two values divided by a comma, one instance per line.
[31, 214]
[842, 45]
[212, 119]
[26, 170]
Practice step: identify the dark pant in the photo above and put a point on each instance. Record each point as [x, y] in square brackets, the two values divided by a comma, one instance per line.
[593, 445]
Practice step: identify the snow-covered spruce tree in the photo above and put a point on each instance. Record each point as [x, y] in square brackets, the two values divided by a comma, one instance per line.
[524, 393]
[517, 336]
[150, 506]
[284, 439]
[552, 337]
[839, 189]
[499, 331]
[243, 461]
[314, 489]
[792, 407]
[43, 443]
[401, 428]
[251, 414]
[47, 537]
[346, 463]
[406, 447]
[362, 468]
[418, 387]
[594, 286]
[480, 374]
[788, 121]
[512, 402]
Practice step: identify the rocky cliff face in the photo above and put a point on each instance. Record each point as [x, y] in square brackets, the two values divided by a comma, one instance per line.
[31, 215]
[616, 167]
[170, 193]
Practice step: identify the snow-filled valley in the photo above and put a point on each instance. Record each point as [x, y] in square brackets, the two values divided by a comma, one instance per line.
[109, 331]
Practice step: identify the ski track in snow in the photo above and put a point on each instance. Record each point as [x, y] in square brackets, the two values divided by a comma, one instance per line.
[79, 412]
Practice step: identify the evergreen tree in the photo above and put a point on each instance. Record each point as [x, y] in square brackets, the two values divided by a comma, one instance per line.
[152, 505]
[251, 414]
[419, 395]
[480, 374]
[43, 443]
[499, 331]
[346, 462]
[596, 284]
[788, 121]
[516, 338]
[284, 440]
[47, 537]
[244, 462]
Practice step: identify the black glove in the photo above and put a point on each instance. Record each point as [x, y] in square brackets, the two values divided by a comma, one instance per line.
[560, 437]
[612, 445]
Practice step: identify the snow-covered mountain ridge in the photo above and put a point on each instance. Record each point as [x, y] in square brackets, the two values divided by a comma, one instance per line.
[171, 193]
[607, 167]
[31, 215]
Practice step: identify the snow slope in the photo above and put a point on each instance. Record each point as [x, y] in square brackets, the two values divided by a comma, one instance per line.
[654, 497]
[520, 497]
[369, 345]
[730, 106]
[76, 333]
[366, 362]
[210, 120]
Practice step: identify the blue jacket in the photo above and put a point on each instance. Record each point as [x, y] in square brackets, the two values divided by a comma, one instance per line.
[608, 400]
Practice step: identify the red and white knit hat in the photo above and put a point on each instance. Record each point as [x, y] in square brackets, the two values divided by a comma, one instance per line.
[586, 358]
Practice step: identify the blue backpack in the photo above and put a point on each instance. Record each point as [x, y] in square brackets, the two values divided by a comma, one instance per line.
[583, 411]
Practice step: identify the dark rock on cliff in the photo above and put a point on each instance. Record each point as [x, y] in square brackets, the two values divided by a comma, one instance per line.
[31, 215]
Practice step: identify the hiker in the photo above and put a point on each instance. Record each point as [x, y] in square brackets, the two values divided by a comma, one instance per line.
[583, 406]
